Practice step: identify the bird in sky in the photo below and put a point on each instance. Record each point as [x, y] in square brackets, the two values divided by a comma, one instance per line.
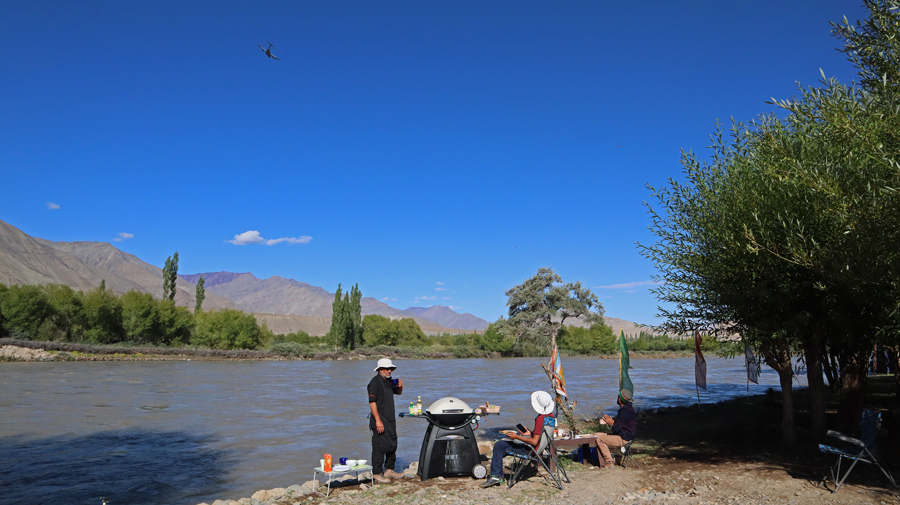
[268, 51]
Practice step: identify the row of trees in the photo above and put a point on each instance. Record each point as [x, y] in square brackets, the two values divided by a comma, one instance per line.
[788, 235]
[58, 313]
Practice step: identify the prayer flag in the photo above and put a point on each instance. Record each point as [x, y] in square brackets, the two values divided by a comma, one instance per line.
[559, 382]
[752, 369]
[624, 381]
[700, 367]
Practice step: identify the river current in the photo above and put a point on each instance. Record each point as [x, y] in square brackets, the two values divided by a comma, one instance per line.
[184, 432]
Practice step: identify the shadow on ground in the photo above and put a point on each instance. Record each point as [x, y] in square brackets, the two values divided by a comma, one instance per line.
[126, 467]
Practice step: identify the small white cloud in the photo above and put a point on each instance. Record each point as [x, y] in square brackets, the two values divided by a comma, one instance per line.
[628, 285]
[52, 206]
[386, 298]
[439, 283]
[123, 236]
[454, 307]
[446, 298]
[440, 289]
[248, 237]
[418, 298]
[290, 240]
[253, 237]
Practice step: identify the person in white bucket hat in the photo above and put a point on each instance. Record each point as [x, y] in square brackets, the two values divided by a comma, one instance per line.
[542, 403]
[382, 422]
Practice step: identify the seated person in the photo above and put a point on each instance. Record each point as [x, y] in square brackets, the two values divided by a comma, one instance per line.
[624, 427]
[543, 405]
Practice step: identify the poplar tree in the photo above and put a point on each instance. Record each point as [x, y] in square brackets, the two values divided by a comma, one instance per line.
[201, 295]
[170, 276]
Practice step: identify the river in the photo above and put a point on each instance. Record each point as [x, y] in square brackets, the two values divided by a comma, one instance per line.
[184, 432]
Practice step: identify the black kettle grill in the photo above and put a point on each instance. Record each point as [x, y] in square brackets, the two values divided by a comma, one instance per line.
[449, 447]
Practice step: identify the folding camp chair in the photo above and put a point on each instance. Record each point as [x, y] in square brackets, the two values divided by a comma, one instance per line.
[540, 454]
[626, 455]
[860, 449]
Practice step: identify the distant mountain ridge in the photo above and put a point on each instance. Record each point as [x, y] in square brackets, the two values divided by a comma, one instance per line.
[279, 295]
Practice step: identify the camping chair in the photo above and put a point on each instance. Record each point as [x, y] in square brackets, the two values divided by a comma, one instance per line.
[626, 455]
[540, 454]
[861, 449]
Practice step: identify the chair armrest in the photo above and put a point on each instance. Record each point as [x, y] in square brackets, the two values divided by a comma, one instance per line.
[845, 438]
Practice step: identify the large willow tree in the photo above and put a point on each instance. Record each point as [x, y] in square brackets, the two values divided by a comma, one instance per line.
[788, 234]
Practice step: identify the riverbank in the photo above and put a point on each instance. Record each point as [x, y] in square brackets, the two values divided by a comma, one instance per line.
[730, 452]
[28, 350]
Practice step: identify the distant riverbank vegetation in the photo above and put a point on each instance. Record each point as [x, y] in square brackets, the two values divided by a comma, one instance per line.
[137, 322]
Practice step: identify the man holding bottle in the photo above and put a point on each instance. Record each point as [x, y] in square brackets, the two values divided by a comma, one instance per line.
[382, 421]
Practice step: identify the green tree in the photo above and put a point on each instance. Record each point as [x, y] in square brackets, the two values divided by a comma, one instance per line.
[598, 339]
[201, 295]
[170, 276]
[103, 317]
[140, 318]
[346, 319]
[227, 329]
[69, 312]
[27, 309]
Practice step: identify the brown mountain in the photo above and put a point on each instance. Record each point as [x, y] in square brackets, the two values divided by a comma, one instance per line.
[445, 316]
[280, 296]
[26, 260]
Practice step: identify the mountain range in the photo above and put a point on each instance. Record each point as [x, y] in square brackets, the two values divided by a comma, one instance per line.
[286, 305]
[84, 265]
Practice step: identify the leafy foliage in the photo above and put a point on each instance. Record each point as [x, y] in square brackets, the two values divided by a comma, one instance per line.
[170, 276]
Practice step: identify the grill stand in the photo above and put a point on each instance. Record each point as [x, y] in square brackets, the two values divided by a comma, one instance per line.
[448, 451]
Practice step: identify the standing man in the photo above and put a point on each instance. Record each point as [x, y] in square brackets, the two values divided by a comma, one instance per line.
[624, 427]
[382, 422]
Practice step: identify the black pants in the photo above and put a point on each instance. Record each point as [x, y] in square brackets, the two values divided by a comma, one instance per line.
[384, 448]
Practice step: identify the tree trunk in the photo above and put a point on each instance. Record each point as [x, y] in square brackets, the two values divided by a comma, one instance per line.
[814, 349]
[853, 390]
[778, 357]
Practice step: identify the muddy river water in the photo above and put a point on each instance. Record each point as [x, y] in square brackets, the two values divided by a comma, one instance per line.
[184, 432]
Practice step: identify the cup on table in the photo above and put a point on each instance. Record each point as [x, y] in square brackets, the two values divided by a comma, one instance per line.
[343, 461]
[322, 464]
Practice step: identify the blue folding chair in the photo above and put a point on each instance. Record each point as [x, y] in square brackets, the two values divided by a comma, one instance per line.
[860, 449]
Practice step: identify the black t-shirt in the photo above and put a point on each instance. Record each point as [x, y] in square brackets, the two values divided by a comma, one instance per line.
[381, 392]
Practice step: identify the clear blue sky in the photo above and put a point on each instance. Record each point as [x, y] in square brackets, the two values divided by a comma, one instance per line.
[433, 152]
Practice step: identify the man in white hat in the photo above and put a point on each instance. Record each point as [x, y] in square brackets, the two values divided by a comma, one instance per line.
[382, 422]
[542, 403]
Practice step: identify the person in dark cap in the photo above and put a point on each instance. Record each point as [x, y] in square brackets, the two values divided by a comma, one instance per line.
[381, 391]
[623, 428]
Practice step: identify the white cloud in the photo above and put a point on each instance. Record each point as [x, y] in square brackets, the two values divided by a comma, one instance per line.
[439, 283]
[628, 285]
[248, 237]
[123, 236]
[446, 298]
[290, 240]
[454, 307]
[253, 237]
[52, 206]
[440, 289]
[418, 298]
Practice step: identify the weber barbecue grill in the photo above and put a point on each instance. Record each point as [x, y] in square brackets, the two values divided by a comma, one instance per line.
[449, 447]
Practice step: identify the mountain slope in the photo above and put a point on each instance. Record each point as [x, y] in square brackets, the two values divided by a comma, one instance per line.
[26, 260]
[445, 316]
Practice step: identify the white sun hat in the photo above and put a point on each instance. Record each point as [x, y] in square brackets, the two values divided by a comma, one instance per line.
[542, 402]
[385, 363]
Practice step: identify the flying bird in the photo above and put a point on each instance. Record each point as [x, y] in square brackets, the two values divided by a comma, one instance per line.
[268, 51]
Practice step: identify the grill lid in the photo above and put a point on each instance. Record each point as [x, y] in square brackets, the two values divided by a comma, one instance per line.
[449, 405]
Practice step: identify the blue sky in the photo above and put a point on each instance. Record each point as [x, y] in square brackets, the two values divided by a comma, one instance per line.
[433, 152]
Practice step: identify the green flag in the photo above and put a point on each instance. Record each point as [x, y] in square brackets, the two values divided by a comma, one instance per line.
[624, 381]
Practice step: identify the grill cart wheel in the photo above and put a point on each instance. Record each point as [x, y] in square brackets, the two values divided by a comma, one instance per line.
[479, 472]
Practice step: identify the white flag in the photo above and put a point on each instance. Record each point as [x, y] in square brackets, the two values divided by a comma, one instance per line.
[700, 367]
[752, 369]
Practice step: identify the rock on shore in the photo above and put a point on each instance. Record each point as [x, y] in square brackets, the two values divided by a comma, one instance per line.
[13, 353]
